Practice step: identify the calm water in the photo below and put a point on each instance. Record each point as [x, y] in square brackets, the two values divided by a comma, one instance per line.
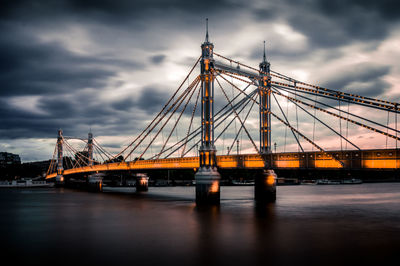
[308, 225]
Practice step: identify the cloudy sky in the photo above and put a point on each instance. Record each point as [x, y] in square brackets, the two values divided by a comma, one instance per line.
[109, 66]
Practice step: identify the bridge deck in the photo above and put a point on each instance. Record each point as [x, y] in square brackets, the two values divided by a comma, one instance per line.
[366, 159]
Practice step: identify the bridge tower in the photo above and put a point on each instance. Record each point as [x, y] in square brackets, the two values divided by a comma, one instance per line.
[207, 177]
[265, 183]
[60, 168]
[265, 106]
[90, 148]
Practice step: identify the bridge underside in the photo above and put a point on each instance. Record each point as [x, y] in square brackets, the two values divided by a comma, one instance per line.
[351, 160]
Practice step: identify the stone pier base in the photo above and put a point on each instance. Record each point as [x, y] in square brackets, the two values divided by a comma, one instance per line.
[142, 182]
[265, 186]
[207, 186]
[59, 182]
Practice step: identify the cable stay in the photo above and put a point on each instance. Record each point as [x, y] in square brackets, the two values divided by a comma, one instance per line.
[191, 122]
[217, 122]
[341, 117]
[180, 115]
[236, 114]
[242, 126]
[316, 118]
[334, 108]
[393, 106]
[282, 121]
[226, 111]
[294, 134]
[178, 101]
[187, 92]
[159, 113]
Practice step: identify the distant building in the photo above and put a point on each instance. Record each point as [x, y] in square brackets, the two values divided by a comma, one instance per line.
[7, 158]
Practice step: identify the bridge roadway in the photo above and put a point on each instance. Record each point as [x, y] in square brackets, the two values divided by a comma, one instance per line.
[366, 159]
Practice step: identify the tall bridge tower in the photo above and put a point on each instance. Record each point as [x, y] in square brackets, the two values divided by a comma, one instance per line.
[265, 106]
[265, 182]
[90, 148]
[60, 168]
[207, 177]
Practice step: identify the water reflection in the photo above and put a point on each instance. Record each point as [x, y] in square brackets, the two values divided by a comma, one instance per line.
[308, 225]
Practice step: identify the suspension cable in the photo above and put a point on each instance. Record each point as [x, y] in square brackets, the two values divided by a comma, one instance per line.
[316, 118]
[197, 131]
[234, 110]
[340, 128]
[347, 122]
[161, 112]
[297, 118]
[197, 80]
[176, 122]
[52, 161]
[387, 123]
[191, 120]
[334, 108]
[277, 117]
[344, 118]
[218, 123]
[184, 94]
[360, 98]
[294, 134]
[241, 127]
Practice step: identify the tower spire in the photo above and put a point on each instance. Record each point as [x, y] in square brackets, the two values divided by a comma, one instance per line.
[264, 53]
[206, 29]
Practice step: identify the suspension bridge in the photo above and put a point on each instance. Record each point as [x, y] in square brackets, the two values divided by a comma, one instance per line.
[232, 105]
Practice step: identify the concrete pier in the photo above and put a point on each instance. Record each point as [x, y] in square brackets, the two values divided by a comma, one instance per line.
[207, 186]
[265, 186]
[95, 182]
[142, 182]
[59, 181]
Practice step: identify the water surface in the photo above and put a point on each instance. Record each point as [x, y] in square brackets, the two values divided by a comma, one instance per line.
[308, 225]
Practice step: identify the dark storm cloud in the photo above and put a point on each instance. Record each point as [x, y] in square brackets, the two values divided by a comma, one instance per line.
[16, 123]
[157, 59]
[371, 77]
[123, 105]
[333, 23]
[31, 68]
[152, 100]
[110, 10]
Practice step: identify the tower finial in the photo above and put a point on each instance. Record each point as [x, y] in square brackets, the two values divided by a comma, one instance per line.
[264, 53]
[206, 29]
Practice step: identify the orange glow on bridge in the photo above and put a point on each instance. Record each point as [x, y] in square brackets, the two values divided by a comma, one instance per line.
[369, 159]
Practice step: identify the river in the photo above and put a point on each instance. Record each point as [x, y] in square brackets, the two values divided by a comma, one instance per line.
[308, 225]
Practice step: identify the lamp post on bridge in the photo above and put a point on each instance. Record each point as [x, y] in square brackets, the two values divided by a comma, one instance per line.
[265, 182]
[207, 177]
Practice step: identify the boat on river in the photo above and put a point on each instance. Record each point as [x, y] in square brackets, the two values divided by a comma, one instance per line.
[242, 183]
[352, 181]
[327, 182]
[25, 183]
[339, 182]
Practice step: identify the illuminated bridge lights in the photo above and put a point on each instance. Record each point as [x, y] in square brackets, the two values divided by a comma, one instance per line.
[368, 159]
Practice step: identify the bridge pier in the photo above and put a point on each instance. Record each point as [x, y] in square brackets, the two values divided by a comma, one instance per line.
[265, 186]
[59, 181]
[207, 186]
[95, 182]
[142, 182]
